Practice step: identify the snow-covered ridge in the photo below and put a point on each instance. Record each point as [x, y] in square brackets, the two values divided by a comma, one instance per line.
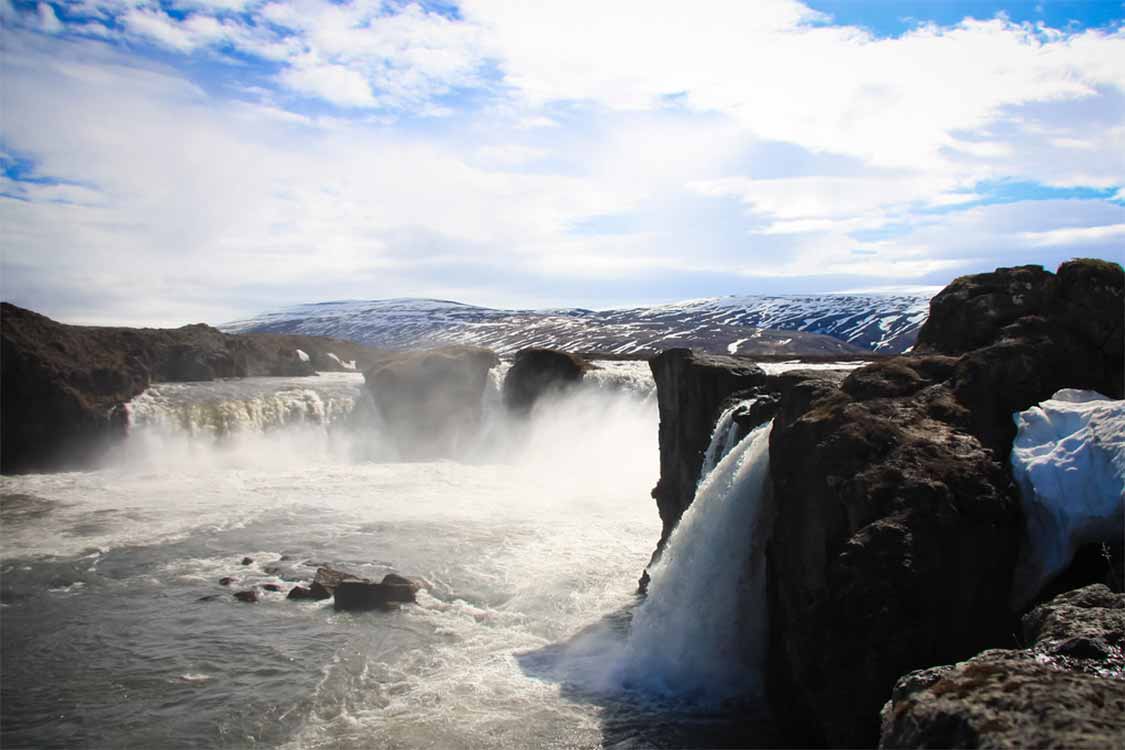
[823, 324]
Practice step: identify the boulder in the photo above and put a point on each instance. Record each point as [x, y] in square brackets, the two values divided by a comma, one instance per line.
[361, 595]
[430, 401]
[536, 372]
[1066, 690]
[250, 596]
[327, 580]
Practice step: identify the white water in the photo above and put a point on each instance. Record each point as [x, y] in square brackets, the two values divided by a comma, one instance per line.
[724, 436]
[524, 545]
[701, 633]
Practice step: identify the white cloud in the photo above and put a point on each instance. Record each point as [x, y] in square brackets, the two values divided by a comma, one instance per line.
[1075, 235]
[48, 22]
[335, 83]
[726, 144]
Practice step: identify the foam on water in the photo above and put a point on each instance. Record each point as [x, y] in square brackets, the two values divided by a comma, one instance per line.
[522, 548]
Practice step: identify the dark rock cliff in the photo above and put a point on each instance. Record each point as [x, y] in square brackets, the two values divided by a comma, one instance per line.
[536, 372]
[63, 386]
[898, 524]
[430, 400]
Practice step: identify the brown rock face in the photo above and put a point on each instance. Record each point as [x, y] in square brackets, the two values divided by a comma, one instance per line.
[897, 524]
[431, 400]
[1066, 690]
[536, 372]
[893, 545]
[64, 386]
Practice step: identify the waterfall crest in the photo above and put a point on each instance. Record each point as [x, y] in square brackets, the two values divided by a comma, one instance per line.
[701, 632]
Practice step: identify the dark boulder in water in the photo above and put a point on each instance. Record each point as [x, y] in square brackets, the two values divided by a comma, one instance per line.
[325, 583]
[1064, 690]
[301, 592]
[430, 401]
[536, 372]
[272, 587]
[247, 561]
[249, 596]
[226, 581]
[64, 387]
[361, 595]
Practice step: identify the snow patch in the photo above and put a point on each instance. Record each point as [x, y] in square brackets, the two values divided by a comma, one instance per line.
[1068, 459]
[302, 356]
[348, 365]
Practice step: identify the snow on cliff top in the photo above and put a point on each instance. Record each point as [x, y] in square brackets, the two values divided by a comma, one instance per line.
[1068, 459]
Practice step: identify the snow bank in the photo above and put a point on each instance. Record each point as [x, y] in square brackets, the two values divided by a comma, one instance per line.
[302, 356]
[1068, 459]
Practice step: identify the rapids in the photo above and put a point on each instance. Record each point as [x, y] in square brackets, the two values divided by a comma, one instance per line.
[116, 632]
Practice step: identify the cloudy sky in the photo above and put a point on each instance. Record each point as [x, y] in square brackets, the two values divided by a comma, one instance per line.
[174, 161]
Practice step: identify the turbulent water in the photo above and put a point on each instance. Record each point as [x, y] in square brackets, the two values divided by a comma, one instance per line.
[116, 632]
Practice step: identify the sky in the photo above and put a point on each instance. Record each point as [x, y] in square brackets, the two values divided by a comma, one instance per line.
[165, 162]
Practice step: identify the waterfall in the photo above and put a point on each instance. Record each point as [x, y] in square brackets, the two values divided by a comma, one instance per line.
[701, 633]
[725, 436]
[168, 409]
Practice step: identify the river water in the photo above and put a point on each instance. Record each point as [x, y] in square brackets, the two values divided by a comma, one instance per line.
[116, 631]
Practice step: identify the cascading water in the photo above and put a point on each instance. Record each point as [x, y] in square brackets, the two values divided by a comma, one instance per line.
[701, 633]
[223, 407]
[725, 436]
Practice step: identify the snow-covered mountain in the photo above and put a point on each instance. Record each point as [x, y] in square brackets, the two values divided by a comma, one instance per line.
[787, 325]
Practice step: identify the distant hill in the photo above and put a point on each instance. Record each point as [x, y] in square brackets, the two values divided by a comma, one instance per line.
[757, 325]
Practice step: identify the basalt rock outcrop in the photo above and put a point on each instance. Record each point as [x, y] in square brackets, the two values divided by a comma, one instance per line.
[63, 386]
[430, 401]
[1067, 689]
[536, 372]
[897, 522]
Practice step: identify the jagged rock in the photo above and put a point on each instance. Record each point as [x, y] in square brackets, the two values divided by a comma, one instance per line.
[64, 386]
[250, 596]
[1066, 690]
[431, 400]
[247, 561]
[897, 521]
[538, 371]
[301, 592]
[359, 595]
[327, 580]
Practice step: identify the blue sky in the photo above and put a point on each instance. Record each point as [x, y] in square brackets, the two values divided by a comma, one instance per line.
[165, 162]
